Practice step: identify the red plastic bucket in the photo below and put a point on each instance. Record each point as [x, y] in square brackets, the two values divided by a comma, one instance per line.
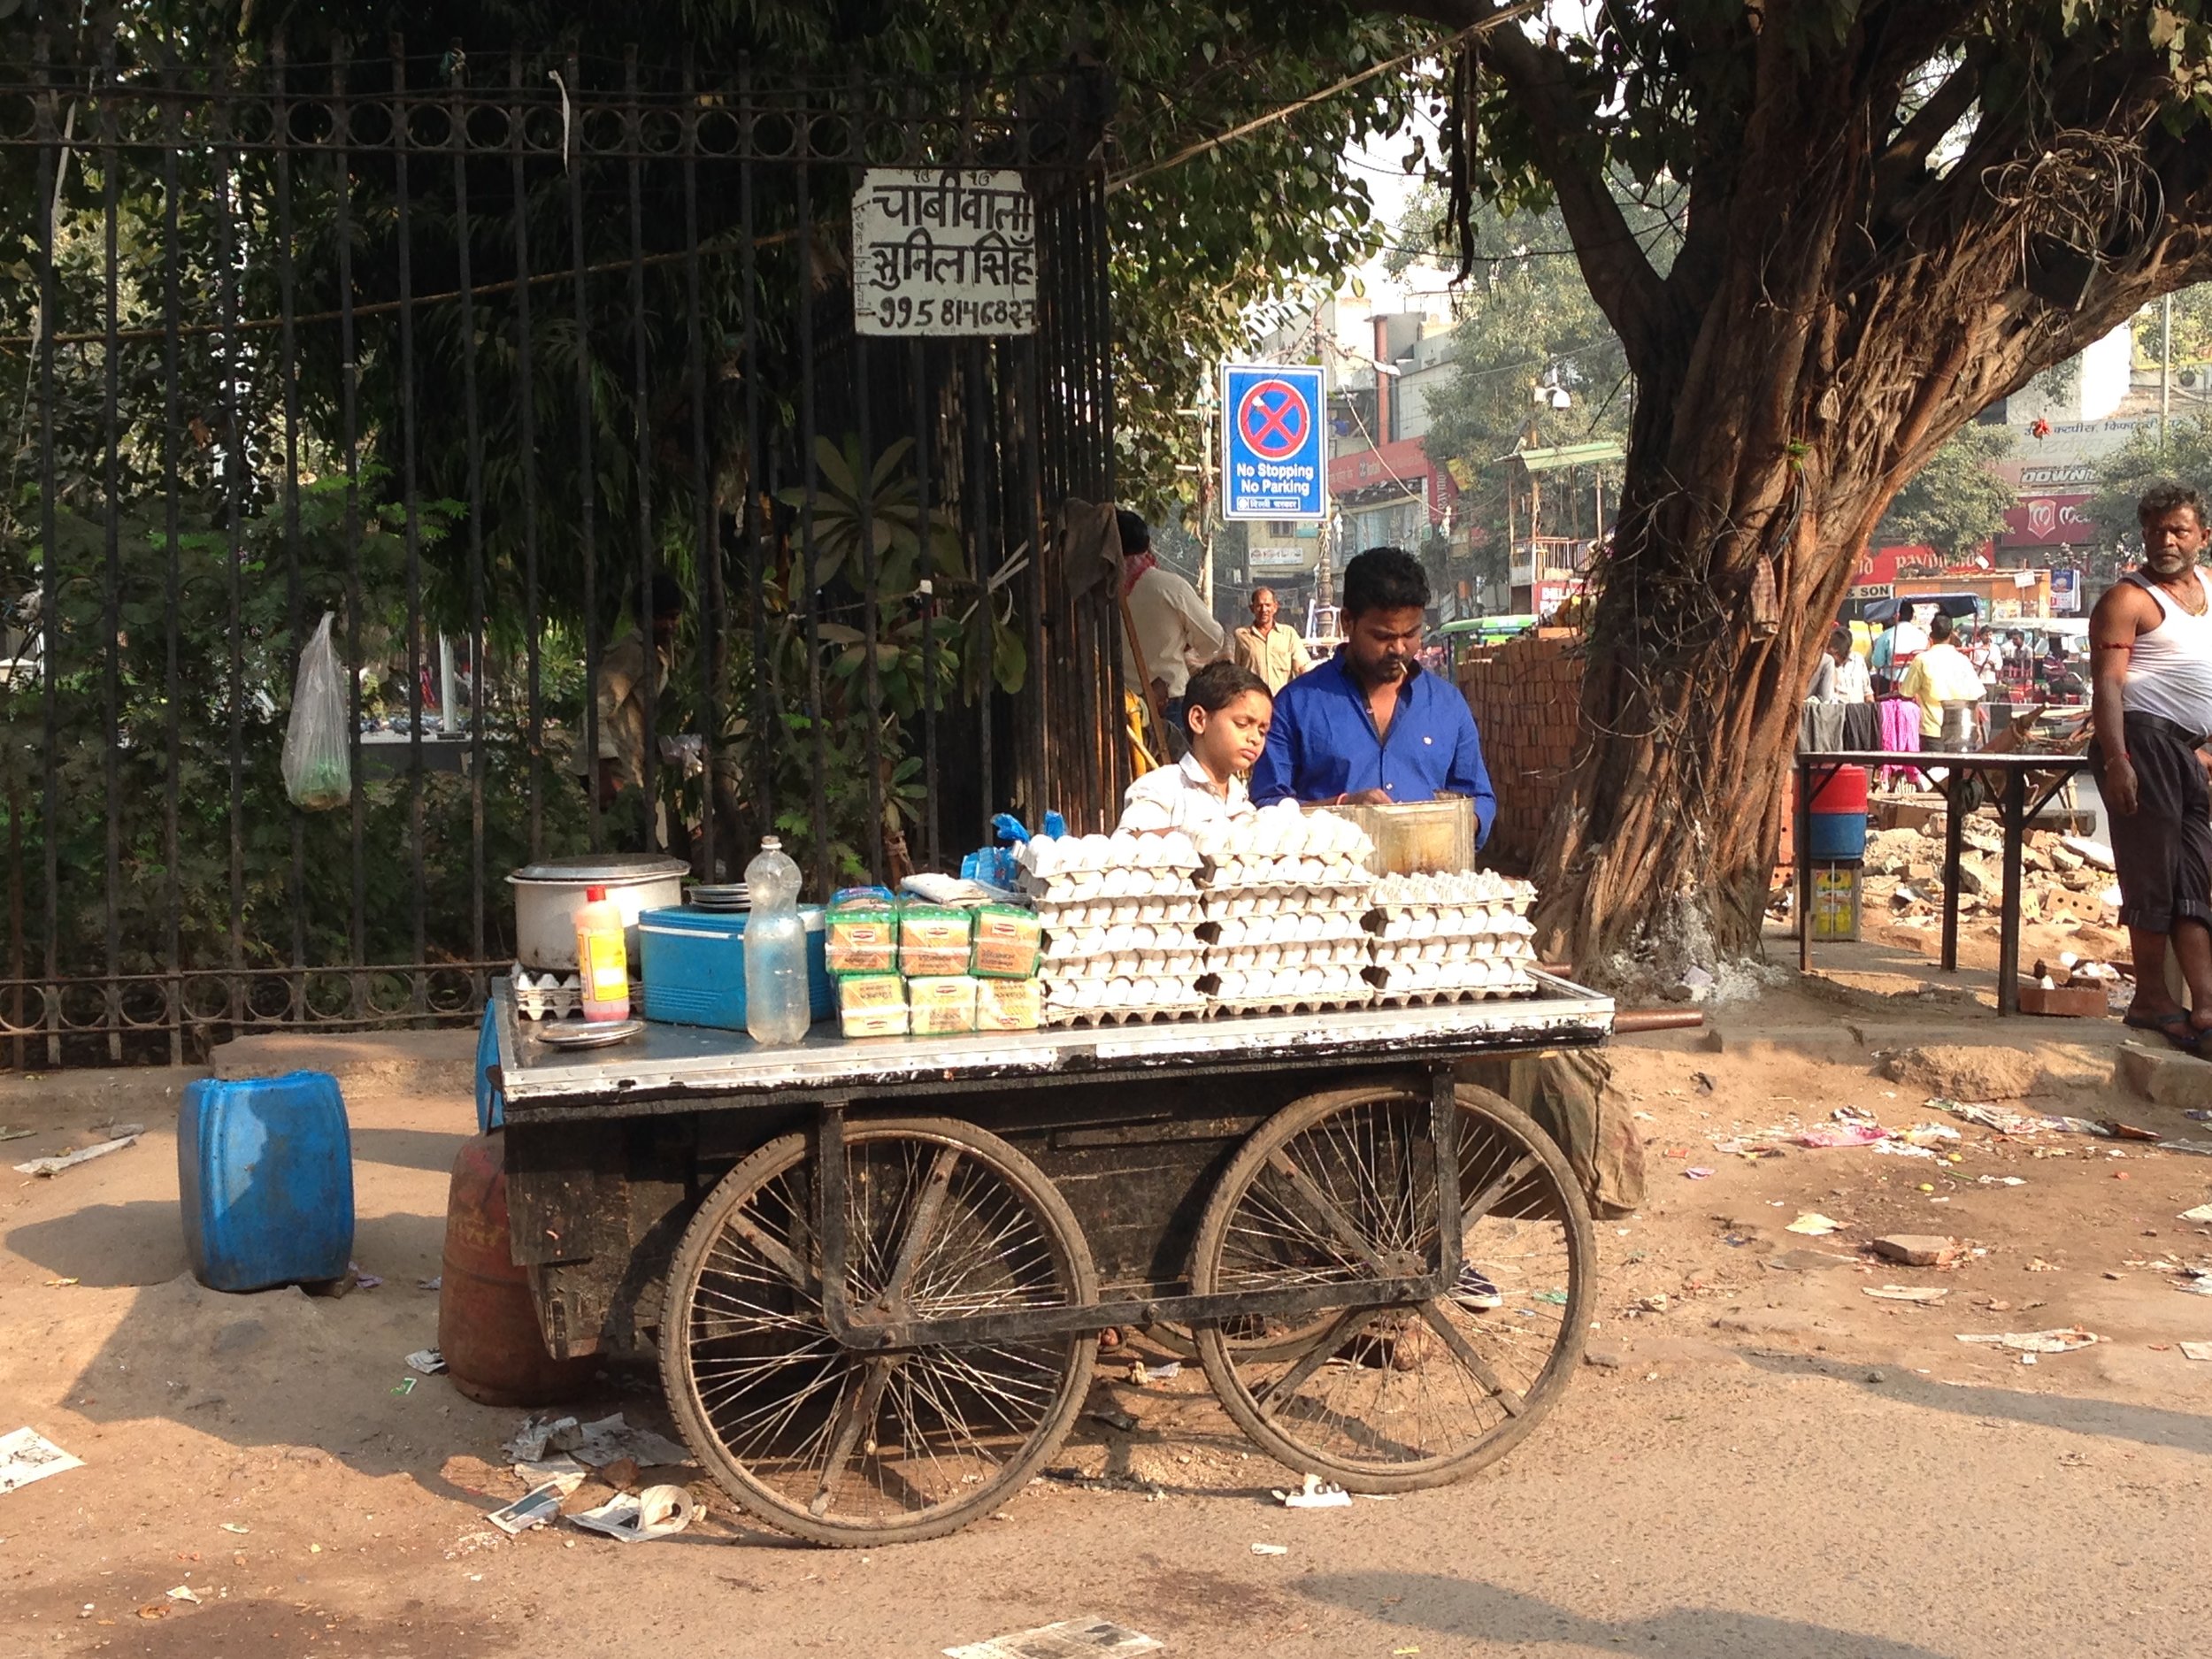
[1843, 791]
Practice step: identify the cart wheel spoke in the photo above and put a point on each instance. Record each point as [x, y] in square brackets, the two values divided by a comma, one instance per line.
[1391, 1397]
[844, 1447]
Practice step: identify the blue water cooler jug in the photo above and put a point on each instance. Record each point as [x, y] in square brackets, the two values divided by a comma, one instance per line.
[265, 1172]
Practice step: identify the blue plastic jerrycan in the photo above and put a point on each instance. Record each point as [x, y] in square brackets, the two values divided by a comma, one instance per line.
[265, 1172]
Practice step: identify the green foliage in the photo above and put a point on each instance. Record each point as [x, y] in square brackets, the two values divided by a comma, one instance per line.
[2122, 477]
[1956, 503]
[1525, 317]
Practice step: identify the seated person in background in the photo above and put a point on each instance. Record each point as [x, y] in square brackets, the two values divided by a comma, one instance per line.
[1227, 710]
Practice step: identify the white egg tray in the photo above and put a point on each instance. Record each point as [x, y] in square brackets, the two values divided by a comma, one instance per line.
[552, 996]
[1460, 889]
[1462, 975]
[1044, 860]
[1266, 875]
[1283, 830]
[1150, 1014]
[1431, 998]
[1287, 927]
[1182, 909]
[1069, 942]
[1127, 964]
[1295, 1005]
[1386, 951]
[1401, 923]
[1297, 953]
[1089, 885]
[1296, 901]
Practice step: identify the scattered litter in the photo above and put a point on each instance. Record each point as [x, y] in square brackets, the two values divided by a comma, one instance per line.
[2195, 1114]
[2196, 1350]
[1316, 1494]
[428, 1360]
[2005, 1121]
[1270, 1549]
[56, 1283]
[1815, 1224]
[1556, 1298]
[1120, 1420]
[598, 1443]
[1895, 1148]
[1926, 1295]
[1844, 1135]
[2196, 1284]
[233, 1526]
[27, 1455]
[405, 1385]
[636, 1517]
[1070, 1639]
[1166, 1372]
[533, 1509]
[1696, 1172]
[2199, 1148]
[1658, 1303]
[56, 1164]
[2065, 1341]
[2000, 1180]
[185, 1593]
[2036, 1264]
[1920, 1249]
[366, 1281]
[562, 1470]
[6, 1133]
[431, 1283]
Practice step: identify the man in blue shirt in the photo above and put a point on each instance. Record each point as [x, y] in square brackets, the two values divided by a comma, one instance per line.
[1369, 726]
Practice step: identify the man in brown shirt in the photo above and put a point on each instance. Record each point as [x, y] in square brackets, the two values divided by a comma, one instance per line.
[1269, 649]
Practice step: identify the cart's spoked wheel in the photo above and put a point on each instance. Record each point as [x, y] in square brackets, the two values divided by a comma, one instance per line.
[848, 1448]
[1340, 1189]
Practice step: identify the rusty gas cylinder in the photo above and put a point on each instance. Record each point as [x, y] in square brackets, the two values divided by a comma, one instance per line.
[488, 1324]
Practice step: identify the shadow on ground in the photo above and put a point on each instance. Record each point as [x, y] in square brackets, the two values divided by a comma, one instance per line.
[1429, 1603]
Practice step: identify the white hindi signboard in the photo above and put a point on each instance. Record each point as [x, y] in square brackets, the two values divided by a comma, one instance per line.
[944, 253]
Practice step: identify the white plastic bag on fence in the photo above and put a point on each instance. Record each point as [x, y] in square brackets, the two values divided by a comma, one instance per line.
[317, 771]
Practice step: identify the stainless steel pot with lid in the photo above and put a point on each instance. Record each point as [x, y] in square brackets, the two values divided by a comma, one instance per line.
[547, 893]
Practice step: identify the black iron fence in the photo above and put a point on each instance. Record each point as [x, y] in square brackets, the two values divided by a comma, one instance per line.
[477, 358]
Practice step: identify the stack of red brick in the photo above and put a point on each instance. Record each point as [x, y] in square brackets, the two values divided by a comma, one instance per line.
[1526, 695]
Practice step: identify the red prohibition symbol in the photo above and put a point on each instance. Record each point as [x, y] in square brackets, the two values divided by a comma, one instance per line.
[1274, 420]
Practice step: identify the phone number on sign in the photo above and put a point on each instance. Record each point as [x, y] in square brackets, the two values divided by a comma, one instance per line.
[901, 311]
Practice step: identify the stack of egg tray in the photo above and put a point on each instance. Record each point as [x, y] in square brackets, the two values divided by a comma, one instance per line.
[1120, 917]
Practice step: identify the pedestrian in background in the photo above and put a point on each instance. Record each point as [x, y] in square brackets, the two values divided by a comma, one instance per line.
[1174, 630]
[1270, 649]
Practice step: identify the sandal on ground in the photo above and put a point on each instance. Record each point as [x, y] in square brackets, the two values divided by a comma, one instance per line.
[2190, 1039]
[2165, 1023]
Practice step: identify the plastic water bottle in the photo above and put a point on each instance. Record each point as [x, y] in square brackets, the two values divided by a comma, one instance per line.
[778, 1006]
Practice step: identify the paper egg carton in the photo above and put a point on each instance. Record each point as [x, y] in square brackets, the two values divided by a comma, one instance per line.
[1126, 964]
[1066, 943]
[1276, 874]
[1514, 948]
[553, 996]
[1219, 904]
[1284, 926]
[1119, 882]
[1456, 980]
[1470, 889]
[1089, 867]
[1283, 830]
[1176, 909]
[1452, 922]
[1319, 953]
[1337, 985]
[1121, 1000]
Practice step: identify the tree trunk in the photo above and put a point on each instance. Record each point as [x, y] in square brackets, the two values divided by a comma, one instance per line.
[1869, 196]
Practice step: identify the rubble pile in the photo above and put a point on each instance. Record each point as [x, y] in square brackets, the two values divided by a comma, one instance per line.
[2066, 882]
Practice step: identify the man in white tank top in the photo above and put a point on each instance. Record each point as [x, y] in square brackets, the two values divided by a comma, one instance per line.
[2150, 640]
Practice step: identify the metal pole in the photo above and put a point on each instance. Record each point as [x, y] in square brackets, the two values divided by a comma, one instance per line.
[2165, 370]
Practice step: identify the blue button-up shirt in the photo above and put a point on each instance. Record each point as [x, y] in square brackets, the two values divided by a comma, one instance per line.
[1324, 744]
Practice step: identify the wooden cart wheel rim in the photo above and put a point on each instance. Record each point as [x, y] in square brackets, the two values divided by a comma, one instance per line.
[1220, 1361]
[1060, 1230]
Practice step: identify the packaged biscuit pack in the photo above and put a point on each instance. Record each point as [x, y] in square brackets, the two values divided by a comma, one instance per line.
[858, 991]
[1008, 939]
[1008, 1004]
[940, 1003]
[862, 932]
[882, 1021]
[934, 939]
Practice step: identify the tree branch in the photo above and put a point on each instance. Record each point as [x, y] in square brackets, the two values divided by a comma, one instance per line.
[1620, 276]
[1899, 164]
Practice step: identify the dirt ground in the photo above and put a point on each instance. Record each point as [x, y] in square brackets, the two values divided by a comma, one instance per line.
[1762, 1459]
